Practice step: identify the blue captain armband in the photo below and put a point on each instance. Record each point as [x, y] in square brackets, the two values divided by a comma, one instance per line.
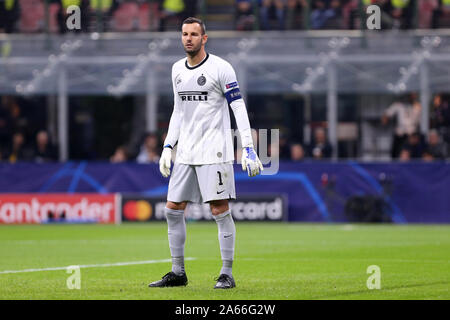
[233, 95]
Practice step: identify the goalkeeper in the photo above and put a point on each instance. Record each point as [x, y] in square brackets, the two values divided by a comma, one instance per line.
[204, 85]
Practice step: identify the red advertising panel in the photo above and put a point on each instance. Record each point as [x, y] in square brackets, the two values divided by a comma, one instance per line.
[59, 208]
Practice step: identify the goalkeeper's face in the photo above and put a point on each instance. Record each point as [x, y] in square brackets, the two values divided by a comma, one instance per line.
[192, 38]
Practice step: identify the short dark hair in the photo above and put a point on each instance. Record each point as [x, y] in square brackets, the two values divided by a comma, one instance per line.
[195, 20]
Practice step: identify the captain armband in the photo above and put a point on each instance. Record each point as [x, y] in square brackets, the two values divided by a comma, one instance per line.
[233, 95]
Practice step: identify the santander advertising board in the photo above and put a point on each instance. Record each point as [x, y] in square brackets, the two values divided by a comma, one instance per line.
[62, 208]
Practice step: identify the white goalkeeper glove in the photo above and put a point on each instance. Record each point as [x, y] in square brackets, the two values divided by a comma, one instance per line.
[165, 160]
[250, 162]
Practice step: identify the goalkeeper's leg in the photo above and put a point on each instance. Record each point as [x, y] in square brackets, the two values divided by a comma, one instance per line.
[177, 234]
[227, 237]
[177, 238]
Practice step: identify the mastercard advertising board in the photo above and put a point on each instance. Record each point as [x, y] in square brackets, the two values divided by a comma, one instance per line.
[59, 208]
[248, 207]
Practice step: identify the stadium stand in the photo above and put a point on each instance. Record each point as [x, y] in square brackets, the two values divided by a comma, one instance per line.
[142, 15]
[364, 137]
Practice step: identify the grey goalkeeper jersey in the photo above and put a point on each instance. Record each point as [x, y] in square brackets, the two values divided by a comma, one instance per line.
[200, 122]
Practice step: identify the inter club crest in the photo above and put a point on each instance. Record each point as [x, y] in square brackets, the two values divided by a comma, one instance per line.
[201, 80]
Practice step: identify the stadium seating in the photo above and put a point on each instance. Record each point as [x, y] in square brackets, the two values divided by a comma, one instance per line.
[219, 15]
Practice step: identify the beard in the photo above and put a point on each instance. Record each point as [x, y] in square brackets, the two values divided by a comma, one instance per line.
[193, 50]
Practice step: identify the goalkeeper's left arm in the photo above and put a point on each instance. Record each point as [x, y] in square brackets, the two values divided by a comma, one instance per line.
[250, 160]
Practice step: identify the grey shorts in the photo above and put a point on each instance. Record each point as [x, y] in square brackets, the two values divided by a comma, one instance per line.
[201, 183]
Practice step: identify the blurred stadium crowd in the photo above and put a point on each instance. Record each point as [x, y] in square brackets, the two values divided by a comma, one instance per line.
[22, 137]
[25, 133]
[32, 16]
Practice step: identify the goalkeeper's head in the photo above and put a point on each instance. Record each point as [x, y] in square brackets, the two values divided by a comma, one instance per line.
[193, 36]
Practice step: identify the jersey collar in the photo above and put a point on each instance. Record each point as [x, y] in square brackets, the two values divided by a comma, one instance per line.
[198, 65]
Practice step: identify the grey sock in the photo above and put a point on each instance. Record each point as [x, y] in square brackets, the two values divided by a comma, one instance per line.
[227, 267]
[178, 265]
[227, 237]
[177, 238]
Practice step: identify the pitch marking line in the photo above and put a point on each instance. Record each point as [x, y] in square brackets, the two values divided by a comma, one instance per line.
[117, 264]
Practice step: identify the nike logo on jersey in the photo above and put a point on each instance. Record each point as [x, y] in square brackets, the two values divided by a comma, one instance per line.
[193, 95]
[177, 79]
[220, 192]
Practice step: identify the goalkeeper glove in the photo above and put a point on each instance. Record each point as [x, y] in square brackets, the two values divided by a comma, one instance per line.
[165, 160]
[250, 161]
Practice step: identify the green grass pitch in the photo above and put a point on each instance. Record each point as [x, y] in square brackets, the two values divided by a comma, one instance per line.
[273, 261]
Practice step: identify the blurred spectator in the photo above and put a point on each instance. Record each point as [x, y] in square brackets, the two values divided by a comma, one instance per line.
[426, 9]
[284, 149]
[142, 15]
[105, 6]
[320, 148]
[19, 150]
[441, 15]
[440, 116]
[9, 14]
[436, 148]
[406, 110]
[12, 112]
[32, 15]
[149, 15]
[265, 12]
[336, 21]
[103, 9]
[245, 18]
[325, 14]
[297, 152]
[170, 9]
[294, 14]
[120, 155]
[404, 155]
[17, 120]
[16, 115]
[351, 13]
[150, 151]
[401, 14]
[126, 17]
[414, 145]
[44, 150]
[427, 156]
